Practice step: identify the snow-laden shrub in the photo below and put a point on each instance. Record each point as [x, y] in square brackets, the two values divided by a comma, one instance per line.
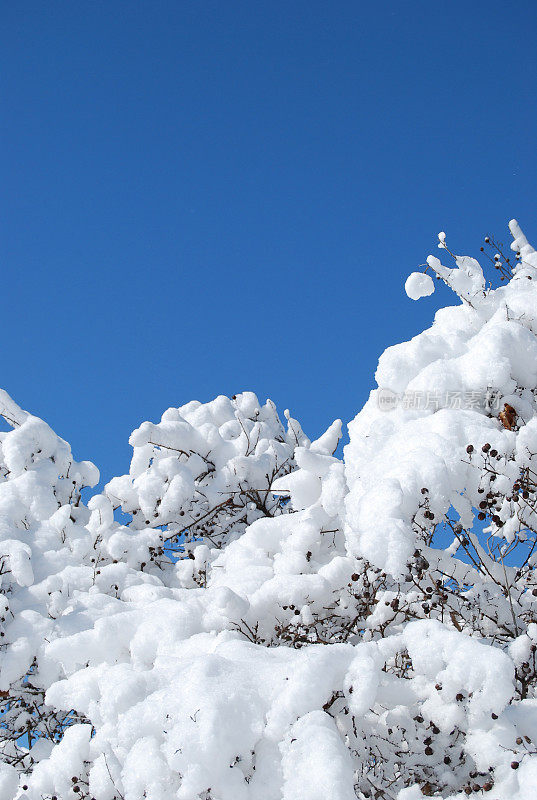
[206, 472]
[43, 546]
[65, 565]
[55, 577]
[364, 628]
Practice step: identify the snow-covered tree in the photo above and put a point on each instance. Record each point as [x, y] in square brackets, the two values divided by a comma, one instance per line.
[214, 469]
[206, 472]
[43, 545]
[269, 622]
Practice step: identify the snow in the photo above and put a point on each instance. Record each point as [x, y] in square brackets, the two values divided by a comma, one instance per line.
[9, 781]
[419, 284]
[272, 622]
[313, 744]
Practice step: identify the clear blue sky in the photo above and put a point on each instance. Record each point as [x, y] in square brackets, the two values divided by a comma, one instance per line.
[205, 197]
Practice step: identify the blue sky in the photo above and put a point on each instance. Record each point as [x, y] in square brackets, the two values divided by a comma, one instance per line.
[204, 197]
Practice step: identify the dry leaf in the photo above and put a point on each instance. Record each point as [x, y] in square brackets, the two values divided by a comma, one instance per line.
[508, 416]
